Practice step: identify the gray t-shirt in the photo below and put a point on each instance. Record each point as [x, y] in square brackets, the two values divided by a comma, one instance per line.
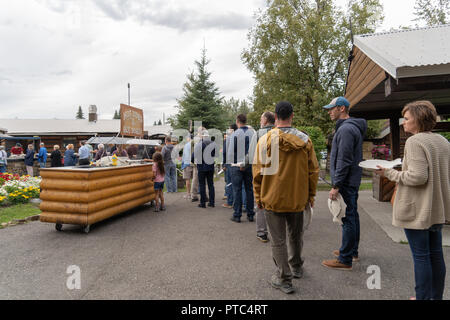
[167, 153]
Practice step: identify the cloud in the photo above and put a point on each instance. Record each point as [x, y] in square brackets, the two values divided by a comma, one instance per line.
[166, 15]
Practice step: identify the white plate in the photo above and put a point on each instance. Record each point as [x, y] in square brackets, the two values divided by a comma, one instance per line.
[372, 164]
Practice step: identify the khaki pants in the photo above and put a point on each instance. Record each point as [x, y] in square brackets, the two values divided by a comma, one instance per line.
[194, 186]
[277, 224]
[30, 170]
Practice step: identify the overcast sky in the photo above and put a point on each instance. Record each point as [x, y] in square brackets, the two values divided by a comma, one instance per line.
[58, 54]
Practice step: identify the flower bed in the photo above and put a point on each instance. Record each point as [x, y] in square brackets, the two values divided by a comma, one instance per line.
[15, 189]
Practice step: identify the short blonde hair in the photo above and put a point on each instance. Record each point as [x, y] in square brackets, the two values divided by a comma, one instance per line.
[424, 114]
[55, 147]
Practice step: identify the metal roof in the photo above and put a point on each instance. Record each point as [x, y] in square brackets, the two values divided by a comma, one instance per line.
[70, 127]
[409, 53]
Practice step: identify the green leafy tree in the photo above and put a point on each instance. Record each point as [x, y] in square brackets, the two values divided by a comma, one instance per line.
[233, 107]
[298, 51]
[80, 114]
[432, 12]
[201, 100]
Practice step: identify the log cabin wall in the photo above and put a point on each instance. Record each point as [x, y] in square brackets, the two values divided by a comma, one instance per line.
[86, 197]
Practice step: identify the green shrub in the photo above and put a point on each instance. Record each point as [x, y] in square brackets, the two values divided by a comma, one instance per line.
[317, 137]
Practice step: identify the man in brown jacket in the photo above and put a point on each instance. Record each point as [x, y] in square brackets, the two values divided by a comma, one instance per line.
[285, 179]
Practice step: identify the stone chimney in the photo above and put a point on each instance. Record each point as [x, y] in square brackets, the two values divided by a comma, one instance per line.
[92, 113]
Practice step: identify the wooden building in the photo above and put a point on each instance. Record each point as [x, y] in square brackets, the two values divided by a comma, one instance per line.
[389, 70]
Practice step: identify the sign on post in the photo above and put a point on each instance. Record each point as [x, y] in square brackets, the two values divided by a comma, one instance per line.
[131, 121]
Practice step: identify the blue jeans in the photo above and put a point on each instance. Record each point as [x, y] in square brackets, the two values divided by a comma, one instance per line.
[429, 264]
[228, 185]
[242, 178]
[203, 177]
[171, 177]
[2, 169]
[350, 227]
[42, 164]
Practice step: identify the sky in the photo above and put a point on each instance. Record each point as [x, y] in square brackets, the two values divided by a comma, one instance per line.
[57, 55]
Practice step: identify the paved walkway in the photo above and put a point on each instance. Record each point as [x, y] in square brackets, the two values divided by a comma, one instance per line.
[192, 253]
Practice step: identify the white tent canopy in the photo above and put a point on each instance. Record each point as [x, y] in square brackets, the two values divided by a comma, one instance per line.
[122, 141]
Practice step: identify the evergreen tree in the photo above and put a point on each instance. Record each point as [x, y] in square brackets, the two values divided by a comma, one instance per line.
[298, 51]
[159, 122]
[80, 114]
[201, 100]
[116, 115]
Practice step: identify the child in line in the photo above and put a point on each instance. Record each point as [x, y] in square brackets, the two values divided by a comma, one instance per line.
[158, 178]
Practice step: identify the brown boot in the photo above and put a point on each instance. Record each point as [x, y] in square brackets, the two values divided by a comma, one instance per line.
[336, 264]
[336, 254]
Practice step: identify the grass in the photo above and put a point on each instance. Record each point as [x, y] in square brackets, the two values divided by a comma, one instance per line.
[18, 212]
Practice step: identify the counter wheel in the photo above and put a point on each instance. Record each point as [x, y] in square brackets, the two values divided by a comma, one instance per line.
[58, 226]
[86, 229]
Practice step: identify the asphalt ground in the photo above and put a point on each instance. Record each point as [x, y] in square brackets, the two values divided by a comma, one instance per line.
[189, 253]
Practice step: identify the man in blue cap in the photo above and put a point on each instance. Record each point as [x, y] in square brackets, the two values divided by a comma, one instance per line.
[346, 154]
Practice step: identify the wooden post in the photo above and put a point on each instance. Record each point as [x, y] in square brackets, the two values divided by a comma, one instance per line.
[395, 137]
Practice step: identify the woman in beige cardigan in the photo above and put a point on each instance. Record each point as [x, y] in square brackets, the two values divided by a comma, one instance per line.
[422, 202]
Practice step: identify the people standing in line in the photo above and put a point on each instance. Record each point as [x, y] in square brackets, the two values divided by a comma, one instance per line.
[158, 178]
[83, 154]
[101, 152]
[227, 168]
[346, 154]
[120, 152]
[422, 201]
[187, 168]
[70, 159]
[241, 170]
[3, 159]
[194, 185]
[169, 166]
[56, 157]
[29, 160]
[42, 156]
[267, 123]
[17, 149]
[283, 189]
[203, 158]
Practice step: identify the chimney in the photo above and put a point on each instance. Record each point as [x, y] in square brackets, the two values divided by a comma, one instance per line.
[92, 113]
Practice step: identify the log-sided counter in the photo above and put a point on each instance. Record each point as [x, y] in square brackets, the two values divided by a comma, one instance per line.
[84, 196]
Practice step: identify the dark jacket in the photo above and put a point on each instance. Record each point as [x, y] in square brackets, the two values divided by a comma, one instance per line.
[241, 137]
[56, 158]
[29, 158]
[346, 152]
[198, 157]
[70, 159]
[167, 153]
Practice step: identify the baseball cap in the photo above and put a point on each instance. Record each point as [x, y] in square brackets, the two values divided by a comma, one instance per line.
[339, 101]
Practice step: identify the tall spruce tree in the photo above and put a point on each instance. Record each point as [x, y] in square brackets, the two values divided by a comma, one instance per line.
[80, 114]
[201, 100]
[116, 115]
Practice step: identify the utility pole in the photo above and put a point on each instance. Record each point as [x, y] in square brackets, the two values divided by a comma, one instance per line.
[129, 101]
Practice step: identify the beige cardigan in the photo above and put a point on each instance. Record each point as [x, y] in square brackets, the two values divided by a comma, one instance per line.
[423, 194]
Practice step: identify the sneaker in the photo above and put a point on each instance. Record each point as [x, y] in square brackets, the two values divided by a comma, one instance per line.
[336, 254]
[211, 205]
[284, 287]
[250, 218]
[224, 198]
[336, 264]
[226, 205]
[297, 273]
[194, 199]
[263, 238]
[162, 208]
[188, 196]
[234, 219]
[156, 209]
[200, 205]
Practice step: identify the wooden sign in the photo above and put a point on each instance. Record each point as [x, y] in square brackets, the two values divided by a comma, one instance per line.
[131, 121]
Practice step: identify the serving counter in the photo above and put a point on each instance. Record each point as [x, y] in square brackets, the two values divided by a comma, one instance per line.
[86, 195]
